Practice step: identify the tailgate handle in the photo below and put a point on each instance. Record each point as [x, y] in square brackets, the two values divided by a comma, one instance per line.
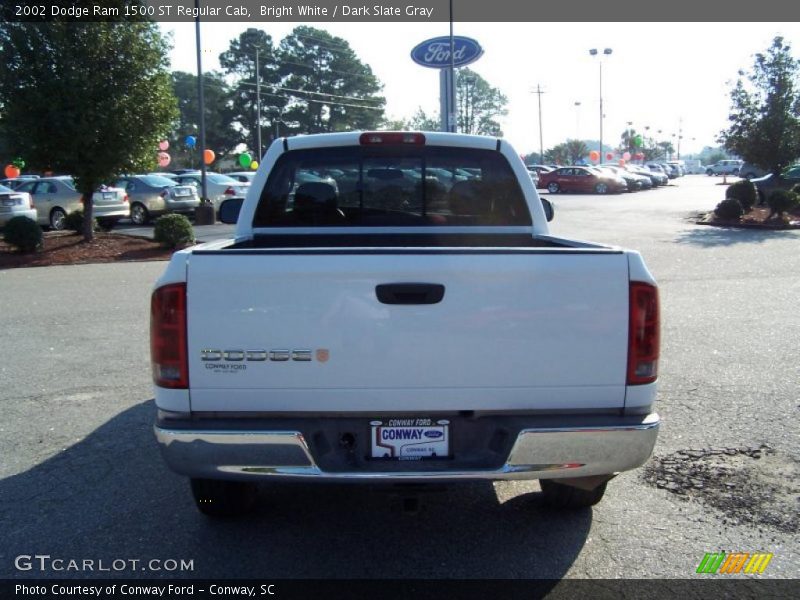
[410, 293]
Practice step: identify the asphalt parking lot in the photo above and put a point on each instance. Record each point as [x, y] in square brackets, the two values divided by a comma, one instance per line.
[81, 477]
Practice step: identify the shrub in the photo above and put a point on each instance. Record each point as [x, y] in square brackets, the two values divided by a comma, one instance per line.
[74, 221]
[780, 201]
[172, 231]
[729, 209]
[743, 191]
[24, 234]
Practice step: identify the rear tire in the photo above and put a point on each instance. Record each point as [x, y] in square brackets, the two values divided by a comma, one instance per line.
[553, 187]
[57, 219]
[219, 498]
[567, 497]
[139, 214]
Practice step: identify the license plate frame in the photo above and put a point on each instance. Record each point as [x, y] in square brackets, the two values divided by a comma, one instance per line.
[410, 438]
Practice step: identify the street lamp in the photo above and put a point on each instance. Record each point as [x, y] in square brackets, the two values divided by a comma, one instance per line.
[606, 52]
[577, 120]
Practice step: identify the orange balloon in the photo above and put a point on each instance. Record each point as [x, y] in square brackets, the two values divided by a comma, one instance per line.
[594, 156]
[208, 156]
[12, 171]
[621, 162]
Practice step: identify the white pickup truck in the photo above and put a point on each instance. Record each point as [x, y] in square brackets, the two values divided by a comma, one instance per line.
[393, 309]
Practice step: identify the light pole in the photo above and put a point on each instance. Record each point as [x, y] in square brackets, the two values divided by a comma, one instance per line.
[539, 91]
[606, 52]
[577, 120]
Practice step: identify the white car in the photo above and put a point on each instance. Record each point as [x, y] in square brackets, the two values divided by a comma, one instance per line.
[725, 167]
[56, 197]
[15, 204]
[218, 187]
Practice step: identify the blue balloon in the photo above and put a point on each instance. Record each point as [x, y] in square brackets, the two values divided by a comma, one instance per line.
[190, 141]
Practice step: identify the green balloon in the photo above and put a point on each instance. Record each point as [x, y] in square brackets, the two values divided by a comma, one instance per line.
[19, 163]
[245, 159]
[637, 141]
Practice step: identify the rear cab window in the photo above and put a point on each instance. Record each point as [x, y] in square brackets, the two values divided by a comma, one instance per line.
[363, 186]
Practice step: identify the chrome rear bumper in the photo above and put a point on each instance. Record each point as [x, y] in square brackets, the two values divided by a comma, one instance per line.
[541, 453]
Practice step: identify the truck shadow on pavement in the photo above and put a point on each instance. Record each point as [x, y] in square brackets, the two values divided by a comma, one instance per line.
[710, 237]
[110, 497]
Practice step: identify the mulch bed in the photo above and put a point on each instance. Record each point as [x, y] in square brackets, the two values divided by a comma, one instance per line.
[757, 218]
[68, 248]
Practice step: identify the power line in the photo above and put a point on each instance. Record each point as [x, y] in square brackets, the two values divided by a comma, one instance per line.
[277, 87]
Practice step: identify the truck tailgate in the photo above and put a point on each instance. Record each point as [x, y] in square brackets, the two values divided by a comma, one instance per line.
[516, 329]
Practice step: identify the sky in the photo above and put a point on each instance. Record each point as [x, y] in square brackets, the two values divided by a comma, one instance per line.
[673, 77]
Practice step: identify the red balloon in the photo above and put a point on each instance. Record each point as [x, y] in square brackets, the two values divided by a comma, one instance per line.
[594, 156]
[12, 171]
[609, 156]
[163, 159]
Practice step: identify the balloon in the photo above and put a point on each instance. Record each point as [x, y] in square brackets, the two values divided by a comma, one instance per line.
[621, 162]
[12, 171]
[190, 141]
[163, 159]
[163, 146]
[626, 156]
[594, 156]
[609, 156]
[19, 163]
[245, 159]
[637, 141]
[639, 156]
[254, 165]
[208, 156]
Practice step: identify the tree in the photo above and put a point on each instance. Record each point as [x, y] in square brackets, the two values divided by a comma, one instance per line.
[328, 87]
[478, 104]
[90, 99]
[765, 110]
[558, 155]
[576, 150]
[240, 61]
[221, 135]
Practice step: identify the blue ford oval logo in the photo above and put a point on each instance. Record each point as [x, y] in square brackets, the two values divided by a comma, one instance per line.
[435, 53]
[433, 434]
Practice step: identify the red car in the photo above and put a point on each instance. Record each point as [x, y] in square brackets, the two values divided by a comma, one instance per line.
[580, 179]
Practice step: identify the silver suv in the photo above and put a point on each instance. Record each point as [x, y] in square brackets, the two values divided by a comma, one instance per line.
[724, 167]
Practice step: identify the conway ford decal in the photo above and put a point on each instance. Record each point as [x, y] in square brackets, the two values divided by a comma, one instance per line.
[435, 53]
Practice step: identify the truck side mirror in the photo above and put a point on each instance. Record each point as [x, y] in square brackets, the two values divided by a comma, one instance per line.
[229, 210]
[549, 209]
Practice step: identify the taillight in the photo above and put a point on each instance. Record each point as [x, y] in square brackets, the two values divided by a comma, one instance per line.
[643, 334]
[125, 198]
[378, 138]
[168, 351]
[230, 192]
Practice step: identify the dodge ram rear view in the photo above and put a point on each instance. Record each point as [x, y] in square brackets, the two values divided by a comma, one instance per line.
[393, 309]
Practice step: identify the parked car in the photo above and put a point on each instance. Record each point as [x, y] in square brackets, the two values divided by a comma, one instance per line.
[539, 169]
[218, 187]
[243, 176]
[679, 165]
[534, 176]
[785, 181]
[581, 179]
[56, 197]
[656, 179]
[153, 195]
[458, 355]
[672, 170]
[14, 182]
[659, 168]
[15, 204]
[750, 171]
[633, 182]
[724, 167]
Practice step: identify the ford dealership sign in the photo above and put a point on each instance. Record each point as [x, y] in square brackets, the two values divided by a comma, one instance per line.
[435, 53]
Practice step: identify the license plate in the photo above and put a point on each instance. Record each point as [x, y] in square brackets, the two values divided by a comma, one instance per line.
[9, 202]
[183, 192]
[410, 438]
[109, 195]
